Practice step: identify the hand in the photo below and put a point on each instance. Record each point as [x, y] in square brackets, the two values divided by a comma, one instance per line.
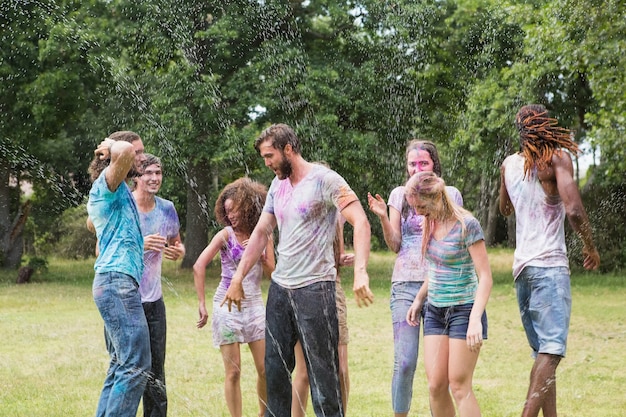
[346, 259]
[592, 258]
[414, 312]
[204, 316]
[154, 242]
[103, 151]
[377, 205]
[474, 337]
[234, 294]
[174, 252]
[362, 292]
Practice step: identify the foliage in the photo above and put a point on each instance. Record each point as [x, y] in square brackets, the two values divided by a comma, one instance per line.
[200, 79]
[605, 205]
[68, 237]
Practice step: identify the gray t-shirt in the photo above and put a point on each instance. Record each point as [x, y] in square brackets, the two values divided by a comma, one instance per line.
[306, 216]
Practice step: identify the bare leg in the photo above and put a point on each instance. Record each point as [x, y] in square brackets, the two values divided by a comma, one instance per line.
[257, 349]
[436, 356]
[344, 377]
[232, 368]
[461, 367]
[300, 384]
[542, 390]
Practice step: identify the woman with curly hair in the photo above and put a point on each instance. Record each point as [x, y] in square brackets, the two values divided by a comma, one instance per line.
[238, 208]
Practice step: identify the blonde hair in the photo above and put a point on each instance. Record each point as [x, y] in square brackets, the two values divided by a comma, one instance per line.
[428, 187]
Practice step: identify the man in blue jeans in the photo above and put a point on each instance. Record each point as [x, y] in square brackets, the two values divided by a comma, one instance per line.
[537, 184]
[161, 238]
[119, 267]
[303, 201]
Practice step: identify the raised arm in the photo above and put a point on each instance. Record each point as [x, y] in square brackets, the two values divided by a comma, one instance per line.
[576, 214]
[390, 224]
[355, 215]
[122, 161]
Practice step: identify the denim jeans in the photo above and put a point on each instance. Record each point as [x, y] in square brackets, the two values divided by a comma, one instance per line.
[405, 345]
[451, 321]
[545, 304]
[155, 395]
[308, 314]
[126, 335]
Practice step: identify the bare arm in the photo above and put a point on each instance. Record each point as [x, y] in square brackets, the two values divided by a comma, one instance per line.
[576, 214]
[254, 249]
[478, 252]
[199, 273]
[506, 206]
[390, 225]
[268, 260]
[355, 215]
[122, 160]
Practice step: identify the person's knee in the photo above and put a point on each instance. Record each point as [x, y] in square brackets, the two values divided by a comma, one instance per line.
[233, 374]
[301, 379]
[460, 390]
[438, 388]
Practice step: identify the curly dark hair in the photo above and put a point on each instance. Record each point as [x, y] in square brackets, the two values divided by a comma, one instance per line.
[248, 198]
[541, 136]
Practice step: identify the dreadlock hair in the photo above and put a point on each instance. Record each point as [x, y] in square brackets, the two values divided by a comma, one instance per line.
[248, 198]
[541, 137]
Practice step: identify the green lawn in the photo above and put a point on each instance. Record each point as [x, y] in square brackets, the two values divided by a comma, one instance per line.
[53, 359]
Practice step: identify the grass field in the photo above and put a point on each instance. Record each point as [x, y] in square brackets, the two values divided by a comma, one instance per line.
[53, 359]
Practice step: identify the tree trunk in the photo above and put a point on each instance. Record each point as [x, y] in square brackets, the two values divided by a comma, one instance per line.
[11, 239]
[493, 216]
[490, 210]
[510, 223]
[199, 211]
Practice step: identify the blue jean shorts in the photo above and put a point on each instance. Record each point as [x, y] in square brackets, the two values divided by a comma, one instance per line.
[450, 321]
[545, 305]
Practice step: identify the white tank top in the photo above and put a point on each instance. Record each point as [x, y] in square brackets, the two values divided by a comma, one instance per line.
[540, 219]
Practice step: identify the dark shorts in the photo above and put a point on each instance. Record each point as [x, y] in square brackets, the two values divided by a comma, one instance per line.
[450, 321]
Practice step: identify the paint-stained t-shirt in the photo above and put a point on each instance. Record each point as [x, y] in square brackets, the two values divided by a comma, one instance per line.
[409, 265]
[306, 216]
[539, 218]
[163, 220]
[230, 256]
[452, 277]
[116, 220]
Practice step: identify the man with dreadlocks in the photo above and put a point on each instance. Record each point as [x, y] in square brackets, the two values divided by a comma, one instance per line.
[537, 184]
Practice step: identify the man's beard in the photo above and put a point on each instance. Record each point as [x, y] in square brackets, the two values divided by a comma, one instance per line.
[284, 169]
[134, 173]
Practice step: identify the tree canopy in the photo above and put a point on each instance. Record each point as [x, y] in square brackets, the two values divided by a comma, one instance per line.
[198, 80]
